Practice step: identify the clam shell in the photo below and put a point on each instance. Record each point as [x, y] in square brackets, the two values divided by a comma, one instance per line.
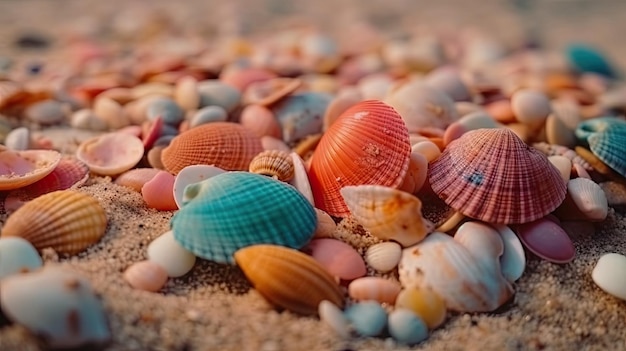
[111, 153]
[383, 257]
[374, 288]
[136, 178]
[598, 125]
[237, 209]
[493, 176]
[368, 144]
[387, 213]
[588, 198]
[447, 267]
[288, 278]
[66, 220]
[482, 241]
[273, 163]
[21, 168]
[190, 175]
[226, 145]
[146, 275]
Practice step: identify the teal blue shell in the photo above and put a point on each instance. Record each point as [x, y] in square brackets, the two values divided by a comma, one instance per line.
[610, 147]
[596, 125]
[584, 58]
[238, 209]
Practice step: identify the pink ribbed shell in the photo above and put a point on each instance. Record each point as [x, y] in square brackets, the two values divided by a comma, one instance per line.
[492, 175]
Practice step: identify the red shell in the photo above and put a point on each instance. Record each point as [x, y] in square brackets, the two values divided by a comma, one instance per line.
[367, 144]
[492, 175]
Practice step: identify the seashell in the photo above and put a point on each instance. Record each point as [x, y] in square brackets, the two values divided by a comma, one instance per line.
[337, 257]
[300, 178]
[567, 112]
[448, 80]
[333, 317]
[374, 87]
[242, 78]
[482, 241]
[610, 147]
[427, 149]
[301, 114]
[531, 107]
[444, 265]
[387, 213]
[513, 259]
[208, 114]
[406, 327]
[237, 209]
[416, 175]
[215, 92]
[47, 112]
[374, 288]
[261, 121]
[87, 119]
[479, 173]
[594, 126]
[190, 175]
[586, 59]
[18, 139]
[547, 240]
[57, 304]
[425, 303]
[268, 92]
[339, 105]
[368, 318]
[288, 278]
[111, 153]
[558, 133]
[273, 163]
[271, 143]
[563, 164]
[111, 112]
[608, 274]
[167, 253]
[146, 275]
[186, 93]
[66, 220]
[151, 130]
[306, 146]
[21, 168]
[585, 199]
[325, 225]
[166, 109]
[549, 150]
[136, 178]
[422, 106]
[226, 145]
[17, 255]
[470, 121]
[597, 164]
[368, 144]
[158, 192]
[383, 257]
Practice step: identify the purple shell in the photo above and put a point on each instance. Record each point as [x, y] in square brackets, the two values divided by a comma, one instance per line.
[546, 239]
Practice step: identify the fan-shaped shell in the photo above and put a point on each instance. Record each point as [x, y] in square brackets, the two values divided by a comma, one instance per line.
[387, 213]
[594, 126]
[66, 220]
[273, 163]
[288, 278]
[492, 175]
[21, 168]
[368, 144]
[610, 147]
[111, 153]
[238, 209]
[226, 145]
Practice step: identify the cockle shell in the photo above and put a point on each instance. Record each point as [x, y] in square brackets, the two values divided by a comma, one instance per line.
[610, 147]
[226, 145]
[111, 153]
[21, 168]
[585, 200]
[136, 178]
[146, 275]
[237, 209]
[447, 267]
[383, 257]
[368, 144]
[493, 176]
[273, 163]
[66, 220]
[190, 175]
[57, 304]
[597, 125]
[288, 278]
[387, 213]
[374, 288]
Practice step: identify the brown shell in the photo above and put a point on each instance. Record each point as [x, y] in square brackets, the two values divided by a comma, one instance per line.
[273, 163]
[492, 175]
[226, 145]
[288, 278]
[68, 221]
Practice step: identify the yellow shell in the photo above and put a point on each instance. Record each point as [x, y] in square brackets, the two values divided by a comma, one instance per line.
[288, 278]
[273, 163]
[67, 221]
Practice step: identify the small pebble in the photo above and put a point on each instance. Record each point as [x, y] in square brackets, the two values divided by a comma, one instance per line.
[609, 274]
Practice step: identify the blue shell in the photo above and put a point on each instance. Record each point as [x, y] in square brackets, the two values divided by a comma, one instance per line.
[596, 125]
[584, 58]
[406, 327]
[610, 147]
[237, 209]
[368, 318]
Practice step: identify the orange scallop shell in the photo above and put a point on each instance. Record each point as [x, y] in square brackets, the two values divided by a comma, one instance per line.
[367, 144]
[492, 175]
[226, 145]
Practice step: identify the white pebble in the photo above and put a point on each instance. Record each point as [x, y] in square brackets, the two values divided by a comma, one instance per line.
[168, 253]
[609, 275]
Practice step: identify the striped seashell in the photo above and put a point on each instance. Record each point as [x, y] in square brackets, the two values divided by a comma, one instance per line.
[383, 257]
[111, 153]
[237, 209]
[387, 213]
[368, 144]
[593, 126]
[136, 178]
[68, 221]
[226, 145]
[288, 278]
[21, 168]
[585, 200]
[273, 163]
[444, 265]
[610, 147]
[559, 150]
[493, 176]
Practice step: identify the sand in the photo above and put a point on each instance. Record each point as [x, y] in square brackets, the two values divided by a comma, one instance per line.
[556, 307]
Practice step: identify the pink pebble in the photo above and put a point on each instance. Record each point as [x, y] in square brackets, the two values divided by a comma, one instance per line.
[339, 258]
[374, 288]
[146, 275]
[546, 239]
[158, 192]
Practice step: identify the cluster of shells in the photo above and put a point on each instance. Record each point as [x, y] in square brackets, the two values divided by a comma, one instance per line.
[452, 158]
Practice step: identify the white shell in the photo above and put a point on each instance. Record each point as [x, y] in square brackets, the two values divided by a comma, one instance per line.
[383, 257]
[169, 254]
[447, 267]
[407, 327]
[334, 318]
[513, 260]
[56, 303]
[481, 240]
[589, 198]
[18, 139]
[608, 274]
[17, 255]
[190, 175]
[111, 153]
[300, 178]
